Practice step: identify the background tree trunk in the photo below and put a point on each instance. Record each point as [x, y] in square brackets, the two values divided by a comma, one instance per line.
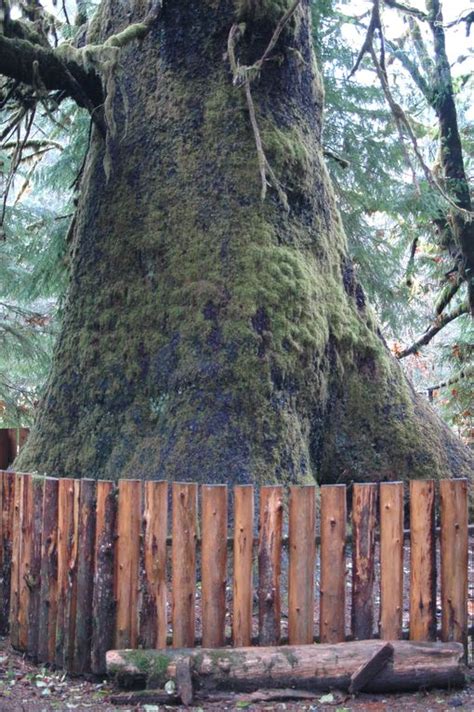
[206, 335]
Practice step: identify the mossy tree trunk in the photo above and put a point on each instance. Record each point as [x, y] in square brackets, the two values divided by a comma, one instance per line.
[207, 335]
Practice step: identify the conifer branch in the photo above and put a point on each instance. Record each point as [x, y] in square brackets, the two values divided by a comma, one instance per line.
[434, 329]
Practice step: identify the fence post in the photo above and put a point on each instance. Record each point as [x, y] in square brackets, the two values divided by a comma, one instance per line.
[103, 602]
[214, 564]
[81, 662]
[127, 562]
[269, 564]
[454, 560]
[48, 607]
[302, 544]
[364, 518]
[153, 623]
[333, 563]
[243, 560]
[33, 580]
[391, 560]
[184, 562]
[7, 489]
[422, 560]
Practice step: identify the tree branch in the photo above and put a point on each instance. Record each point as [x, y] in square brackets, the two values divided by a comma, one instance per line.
[465, 373]
[434, 329]
[19, 57]
[407, 9]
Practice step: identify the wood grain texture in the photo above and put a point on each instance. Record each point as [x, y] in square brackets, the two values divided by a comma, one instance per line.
[243, 564]
[333, 563]
[153, 619]
[81, 662]
[184, 532]
[302, 553]
[127, 562]
[33, 579]
[415, 666]
[269, 564]
[7, 504]
[68, 521]
[25, 549]
[391, 560]
[454, 559]
[15, 561]
[214, 564]
[364, 519]
[48, 607]
[422, 560]
[103, 600]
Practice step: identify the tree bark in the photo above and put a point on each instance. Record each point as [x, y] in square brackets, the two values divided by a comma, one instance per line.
[207, 334]
[369, 665]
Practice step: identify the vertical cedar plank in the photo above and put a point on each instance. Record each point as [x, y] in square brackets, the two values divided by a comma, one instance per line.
[214, 564]
[391, 560]
[127, 563]
[422, 561]
[184, 563]
[5, 458]
[454, 559]
[34, 566]
[302, 533]
[333, 563]
[153, 613]
[81, 662]
[16, 546]
[243, 559]
[364, 517]
[103, 603]
[7, 487]
[68, 510]
[269, 564]
[26, 543]
[48, 606]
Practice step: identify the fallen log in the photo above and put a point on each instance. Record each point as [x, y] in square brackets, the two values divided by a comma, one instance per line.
[411, 666]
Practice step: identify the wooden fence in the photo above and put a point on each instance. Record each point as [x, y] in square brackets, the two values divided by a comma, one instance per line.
[11, 440]
[88, 566]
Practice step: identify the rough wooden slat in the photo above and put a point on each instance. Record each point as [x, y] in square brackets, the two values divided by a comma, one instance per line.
[48, 606]
[333, 563]
[103, 601]
[26, 544]
[153, 620]
[68, 510]
[81, 662]
[243, 560]
[214, 564]
[7, 488]
[422, 560]
[5, 456]
[302, 524]
[391, 560]
[34, 566]
[370, 668]
[454, 559]
[364, 517]
[184, 563]
[127, 562]
[269, 564]
[15, 567]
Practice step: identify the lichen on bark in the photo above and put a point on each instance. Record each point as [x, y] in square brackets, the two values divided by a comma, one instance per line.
[206, 335]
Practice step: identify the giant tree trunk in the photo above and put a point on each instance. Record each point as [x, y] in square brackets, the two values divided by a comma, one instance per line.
[206, 335]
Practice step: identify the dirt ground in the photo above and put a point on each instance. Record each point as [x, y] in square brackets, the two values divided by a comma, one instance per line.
[25, 687]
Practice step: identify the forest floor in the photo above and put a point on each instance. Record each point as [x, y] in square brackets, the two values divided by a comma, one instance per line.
[25, 687]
